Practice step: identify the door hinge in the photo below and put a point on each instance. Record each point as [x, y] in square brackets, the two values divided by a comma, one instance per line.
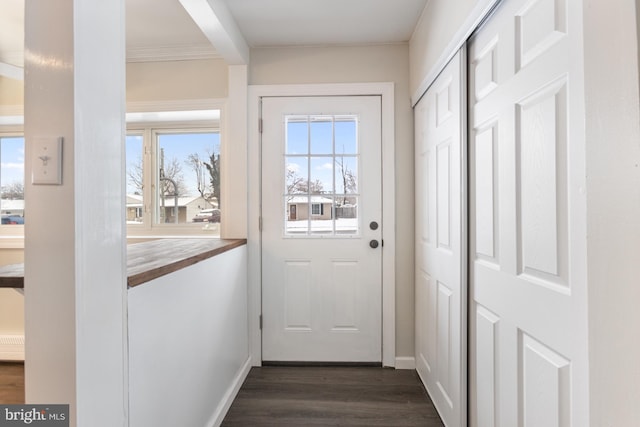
[260, 125]
[260, 321]
[260, 224]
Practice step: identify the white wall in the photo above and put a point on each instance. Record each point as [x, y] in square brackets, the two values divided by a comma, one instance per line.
[11, 302]
[177, 80]
[188, 343]
[11, 91]
[11, 312]
[613, 206]
[387, 63]
[439, 22]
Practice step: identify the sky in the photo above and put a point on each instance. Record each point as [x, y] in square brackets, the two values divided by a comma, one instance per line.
[11, 160]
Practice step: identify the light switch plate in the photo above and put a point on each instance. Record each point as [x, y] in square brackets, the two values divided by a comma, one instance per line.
[47, 161]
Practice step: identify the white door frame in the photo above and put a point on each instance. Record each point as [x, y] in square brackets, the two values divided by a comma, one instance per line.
[386, 91]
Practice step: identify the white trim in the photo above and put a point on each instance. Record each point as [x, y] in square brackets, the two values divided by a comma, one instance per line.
[176, 105]
[226, 401]
[14, 241]
[11, 347]
[11, 115]
[219, 26]
[406, 363]
[387, 91]
[11, 71]
[479, 13]
[171, 53]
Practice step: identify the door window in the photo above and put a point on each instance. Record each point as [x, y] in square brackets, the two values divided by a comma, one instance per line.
[321, 176]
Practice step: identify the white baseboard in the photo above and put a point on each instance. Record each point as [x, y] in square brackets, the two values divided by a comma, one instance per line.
[12, 347]
[405, 363]
[222, 409]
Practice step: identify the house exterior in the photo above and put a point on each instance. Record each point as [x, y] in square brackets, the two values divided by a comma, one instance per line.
[298, 208]
[61, 98]
[12, 207]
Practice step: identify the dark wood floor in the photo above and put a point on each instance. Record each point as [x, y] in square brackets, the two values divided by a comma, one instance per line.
[306, 396]
[332, 396]
[11, 383]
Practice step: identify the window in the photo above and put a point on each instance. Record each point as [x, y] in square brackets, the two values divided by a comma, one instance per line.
[321, 175]
[173, 180]
[12, 180]
[316, 209]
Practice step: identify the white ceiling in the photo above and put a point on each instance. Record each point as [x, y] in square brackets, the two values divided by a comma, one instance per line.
[162, 28]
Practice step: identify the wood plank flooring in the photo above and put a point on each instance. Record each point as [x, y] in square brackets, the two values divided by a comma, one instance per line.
[332, 396]
[11, 383]
[306, 396]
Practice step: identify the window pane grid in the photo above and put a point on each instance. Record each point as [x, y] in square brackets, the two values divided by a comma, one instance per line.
[321, 179]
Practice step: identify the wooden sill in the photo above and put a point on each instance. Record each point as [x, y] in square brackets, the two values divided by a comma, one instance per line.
[148, 260]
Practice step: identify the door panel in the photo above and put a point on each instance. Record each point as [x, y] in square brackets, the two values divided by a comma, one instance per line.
[440, 293]
[525, 328]
[321, 188]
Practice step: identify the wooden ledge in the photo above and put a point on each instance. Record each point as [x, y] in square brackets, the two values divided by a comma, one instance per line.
[148, 260]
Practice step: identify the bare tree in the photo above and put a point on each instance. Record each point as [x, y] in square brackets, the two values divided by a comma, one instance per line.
[295, 183]
[171, 170]
[349, 180]
[207, 175]
[134, 175]
[13, 191]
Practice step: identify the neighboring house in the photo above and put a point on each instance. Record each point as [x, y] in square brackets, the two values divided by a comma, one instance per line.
[298, 208]
[134, 208]
[12, 207]
[188, 207]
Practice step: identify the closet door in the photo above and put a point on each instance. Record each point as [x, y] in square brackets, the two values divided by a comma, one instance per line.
[528, 342]
[441, 299]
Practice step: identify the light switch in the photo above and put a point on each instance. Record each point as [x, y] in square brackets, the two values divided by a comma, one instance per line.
[47, 161]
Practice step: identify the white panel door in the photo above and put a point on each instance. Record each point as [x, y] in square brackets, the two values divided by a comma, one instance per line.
[321, 218]
[527, 330]
[441, 299]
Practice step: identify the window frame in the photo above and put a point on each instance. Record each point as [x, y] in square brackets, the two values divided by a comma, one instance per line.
[14, 230]
[149, 132]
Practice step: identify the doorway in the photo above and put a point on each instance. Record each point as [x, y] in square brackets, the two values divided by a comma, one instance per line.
[386, 93]
[322, 269]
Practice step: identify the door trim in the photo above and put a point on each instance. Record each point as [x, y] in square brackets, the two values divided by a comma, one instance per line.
[255, 94]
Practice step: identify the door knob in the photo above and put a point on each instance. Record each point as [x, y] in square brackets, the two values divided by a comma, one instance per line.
[373, 225]
[374, 244]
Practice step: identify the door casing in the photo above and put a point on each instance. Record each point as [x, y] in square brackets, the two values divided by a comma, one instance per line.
[256, 93]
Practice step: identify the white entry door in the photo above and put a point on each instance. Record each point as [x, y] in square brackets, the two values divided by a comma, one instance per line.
[321, 229]
[441, 298]
[528, 346]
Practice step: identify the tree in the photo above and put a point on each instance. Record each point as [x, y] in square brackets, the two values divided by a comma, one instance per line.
[298, 185]
[13, 191]
[207, 176]
[349, 180]
[294, 182]
[171, 170]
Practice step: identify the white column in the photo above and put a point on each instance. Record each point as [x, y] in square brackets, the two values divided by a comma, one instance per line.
[75, 280]
[234, 158]
[613, 209]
